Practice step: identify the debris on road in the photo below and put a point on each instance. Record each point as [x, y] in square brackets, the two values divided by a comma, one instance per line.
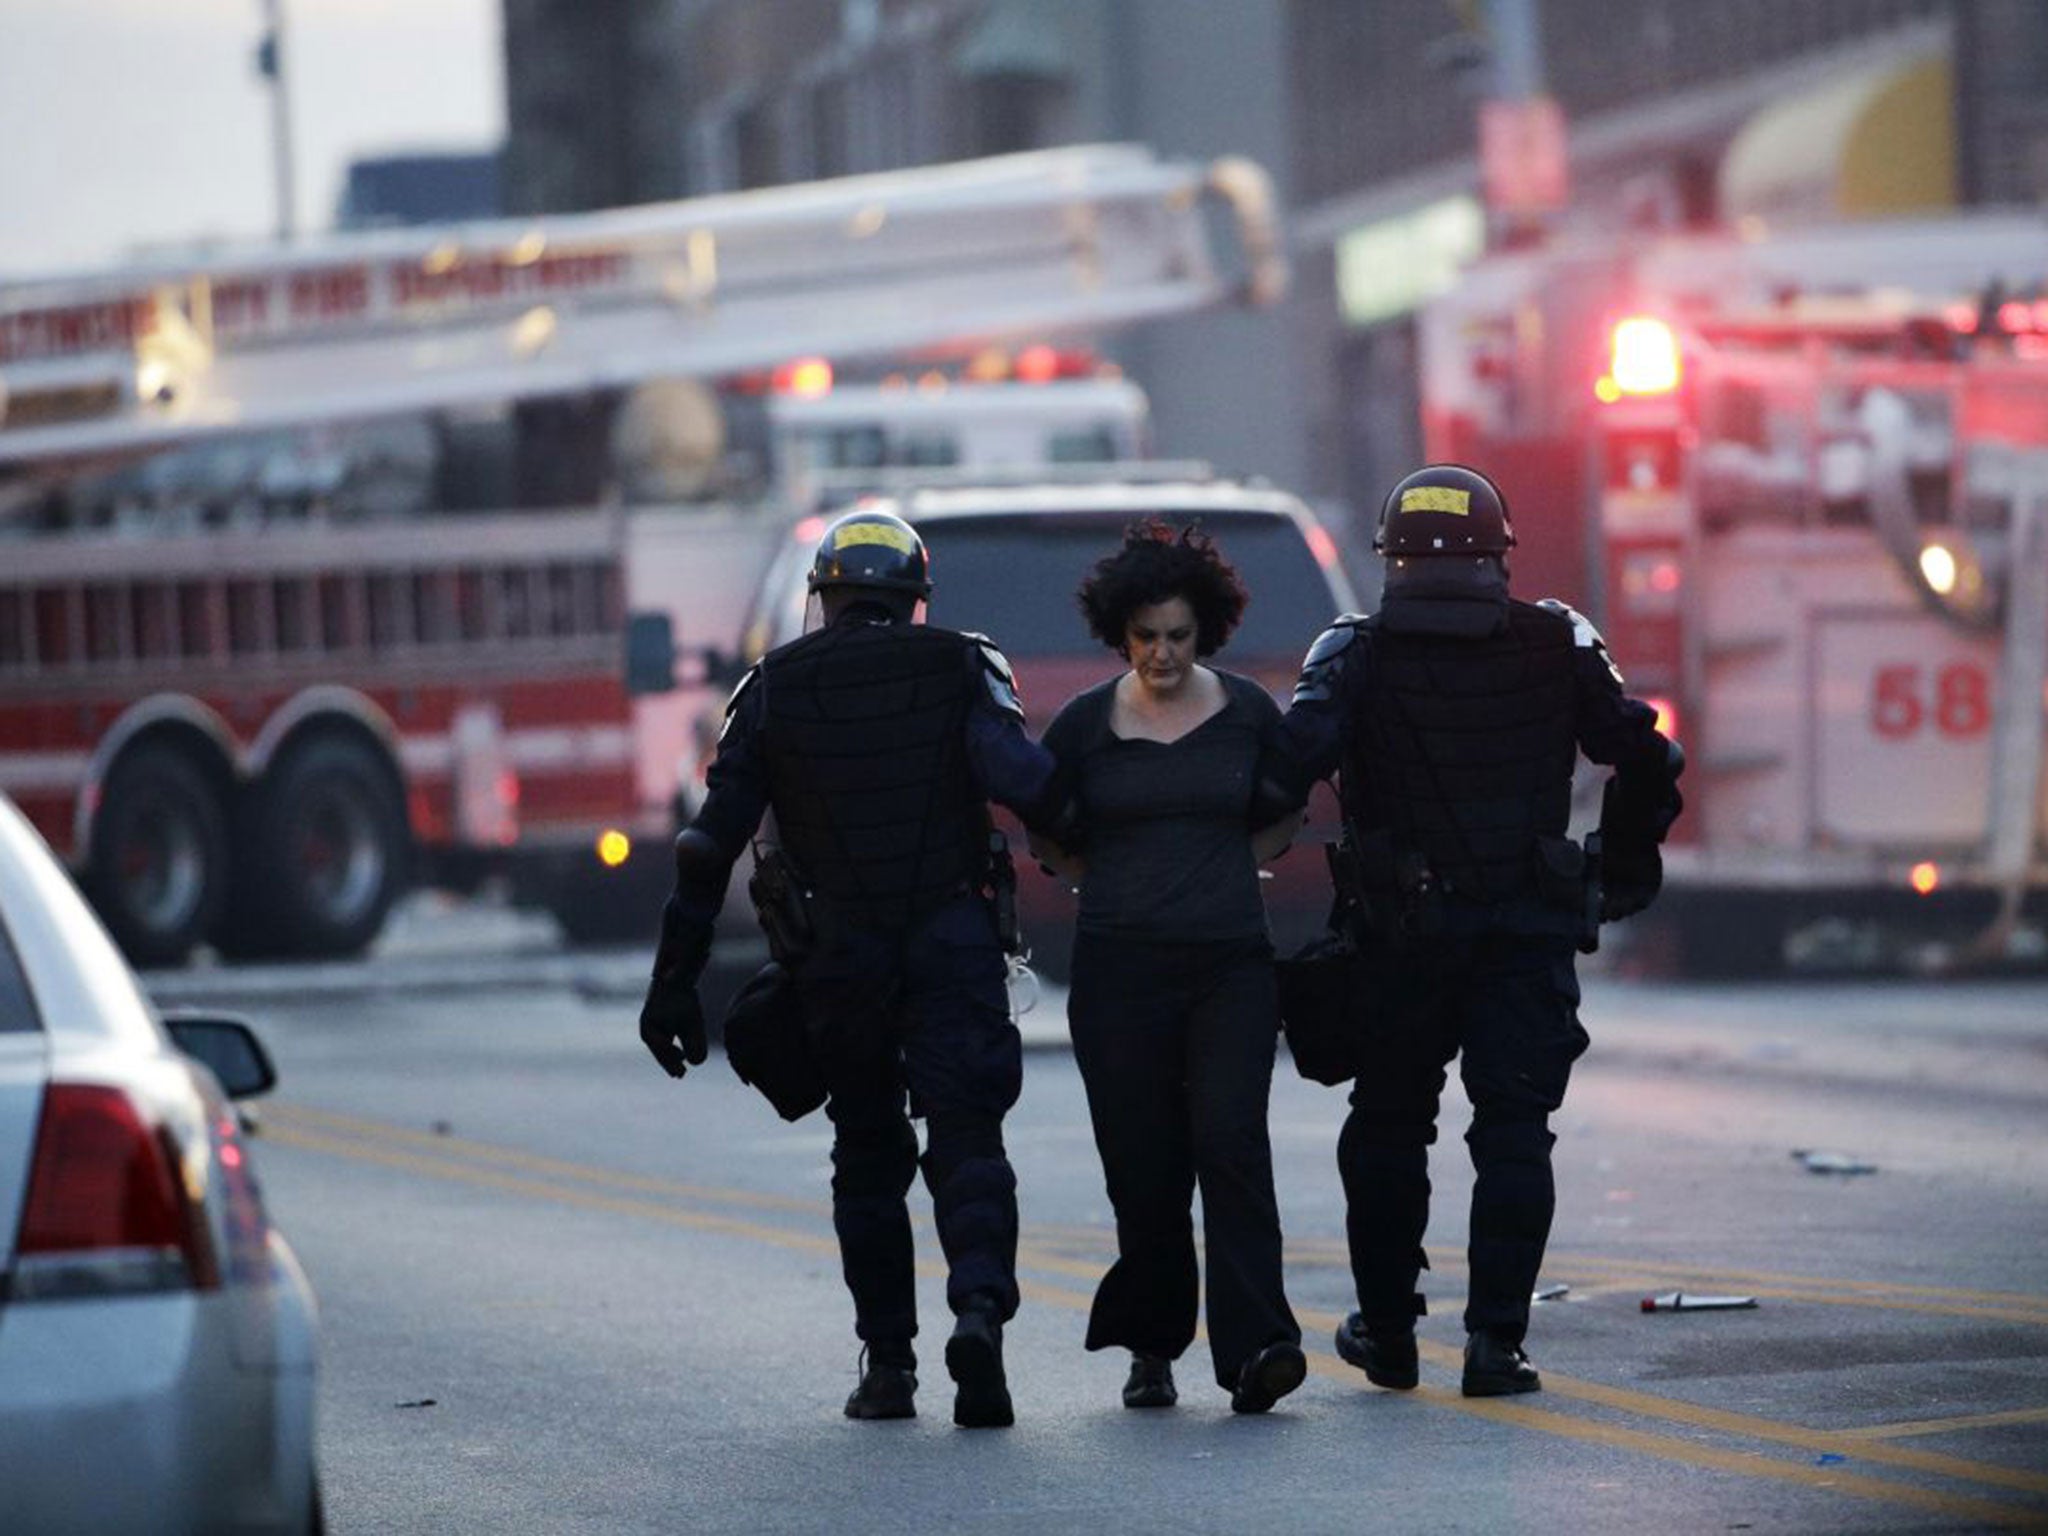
[423, 1402]
[1550, 1293]
[1687, 1301]
[1831, 1162]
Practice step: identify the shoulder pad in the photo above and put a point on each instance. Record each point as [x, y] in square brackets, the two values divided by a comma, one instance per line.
[1584, 635]
[996, 674]
[749, 680]
[1320, 668]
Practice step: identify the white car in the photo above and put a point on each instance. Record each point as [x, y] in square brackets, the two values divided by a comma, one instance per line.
[157, 1336]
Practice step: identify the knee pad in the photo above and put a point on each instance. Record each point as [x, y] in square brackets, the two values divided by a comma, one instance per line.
[877, 1156]
[1364, 1134]
[960, 1136]
[1498, 1135]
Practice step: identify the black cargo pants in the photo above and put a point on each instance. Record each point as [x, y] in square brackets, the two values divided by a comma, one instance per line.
[1507, 1007]
[918, 1025]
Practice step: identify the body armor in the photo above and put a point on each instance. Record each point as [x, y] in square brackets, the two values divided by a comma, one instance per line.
[865, 741]
[1461, 761]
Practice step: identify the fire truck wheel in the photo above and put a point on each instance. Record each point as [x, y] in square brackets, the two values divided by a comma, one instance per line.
[327, 850]
[158, 870]
[1726, 935]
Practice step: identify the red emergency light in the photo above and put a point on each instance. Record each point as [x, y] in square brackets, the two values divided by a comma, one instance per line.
[1643, 359]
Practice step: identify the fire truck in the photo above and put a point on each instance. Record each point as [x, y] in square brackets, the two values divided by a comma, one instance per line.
[1802, 487]
[253, 732]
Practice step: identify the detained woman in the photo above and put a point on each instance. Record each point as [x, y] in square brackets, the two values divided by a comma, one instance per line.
[1172, 1002]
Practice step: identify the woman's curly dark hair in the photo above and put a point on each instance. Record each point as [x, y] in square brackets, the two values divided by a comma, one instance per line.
[1159, 562]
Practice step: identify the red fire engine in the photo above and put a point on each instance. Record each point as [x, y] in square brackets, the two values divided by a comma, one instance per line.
[1803, 489]
[253, 732]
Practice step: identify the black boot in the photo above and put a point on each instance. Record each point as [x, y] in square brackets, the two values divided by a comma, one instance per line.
[888, 1383]
[1386, 1355]
[1496, 1368]
[974, 1357]
[1269, 1376]
[1150, 1384]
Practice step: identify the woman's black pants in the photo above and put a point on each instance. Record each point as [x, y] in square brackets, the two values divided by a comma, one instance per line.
[1175, 1043]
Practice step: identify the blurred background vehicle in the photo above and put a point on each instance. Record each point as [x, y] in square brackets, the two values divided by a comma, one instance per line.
[157, 1336]
[1007, 559]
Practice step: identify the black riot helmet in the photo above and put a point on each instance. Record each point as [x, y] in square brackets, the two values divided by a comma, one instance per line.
[872, 549]
[1444, 509]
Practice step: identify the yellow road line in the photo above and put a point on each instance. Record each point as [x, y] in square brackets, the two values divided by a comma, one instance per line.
[1626, 1275]
[1622, 1272]
[1768, 1277]
[1755, 1427]
[355, 1147]
[380, 1131]
[1948, 1426]
[668, 1215]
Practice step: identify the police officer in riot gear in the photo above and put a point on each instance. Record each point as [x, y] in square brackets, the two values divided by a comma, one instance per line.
[1452, 719]
[877, 743]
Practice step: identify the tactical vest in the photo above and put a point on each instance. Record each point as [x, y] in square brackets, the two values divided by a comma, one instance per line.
[865, 741]
[1462, 751]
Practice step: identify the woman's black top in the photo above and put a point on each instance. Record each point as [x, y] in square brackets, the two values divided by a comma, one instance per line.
[1166, 826]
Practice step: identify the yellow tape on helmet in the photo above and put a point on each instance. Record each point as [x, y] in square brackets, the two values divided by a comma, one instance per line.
[898, 539]
[1436, 498]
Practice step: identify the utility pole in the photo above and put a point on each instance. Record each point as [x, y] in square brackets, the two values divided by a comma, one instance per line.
[270, 64]
[1521, 130]
[1517, 49]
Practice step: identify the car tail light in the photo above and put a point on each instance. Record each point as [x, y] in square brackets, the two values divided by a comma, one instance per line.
[109, 1209]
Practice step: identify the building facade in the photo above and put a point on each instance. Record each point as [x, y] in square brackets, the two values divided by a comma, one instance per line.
[1366, 112]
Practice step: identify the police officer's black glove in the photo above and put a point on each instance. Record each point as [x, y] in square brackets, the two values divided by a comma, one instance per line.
[1632, 873]
[672, 1024]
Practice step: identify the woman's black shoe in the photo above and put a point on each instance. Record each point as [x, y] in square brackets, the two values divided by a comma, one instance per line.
[1269, 1376]
[1387, 1356]
[1150, 1384]
[888, 1385]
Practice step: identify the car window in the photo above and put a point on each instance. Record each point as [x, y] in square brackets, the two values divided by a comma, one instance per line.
[1014, 578]
[17, 1007]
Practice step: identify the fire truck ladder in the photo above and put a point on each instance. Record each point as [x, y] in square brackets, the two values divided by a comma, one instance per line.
[939, 260]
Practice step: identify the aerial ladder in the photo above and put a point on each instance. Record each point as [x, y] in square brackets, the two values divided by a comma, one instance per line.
[932, 261]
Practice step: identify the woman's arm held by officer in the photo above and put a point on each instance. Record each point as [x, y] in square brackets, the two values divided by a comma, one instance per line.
[1269, 842]
[1279, 801]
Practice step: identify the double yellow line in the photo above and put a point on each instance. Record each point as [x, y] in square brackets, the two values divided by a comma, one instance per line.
[1825, 1455]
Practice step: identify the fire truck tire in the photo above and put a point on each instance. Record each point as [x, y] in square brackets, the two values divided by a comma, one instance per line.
[327, 852]
[159, 866]
[1729, 935]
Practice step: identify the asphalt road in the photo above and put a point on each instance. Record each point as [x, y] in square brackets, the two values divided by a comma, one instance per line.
[561, 1293]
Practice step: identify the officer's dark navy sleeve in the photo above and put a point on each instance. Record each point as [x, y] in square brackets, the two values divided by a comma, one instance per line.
[1621, 732]
[1009, 767]
[735, 800]
[736, 785]
[1310, 743]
